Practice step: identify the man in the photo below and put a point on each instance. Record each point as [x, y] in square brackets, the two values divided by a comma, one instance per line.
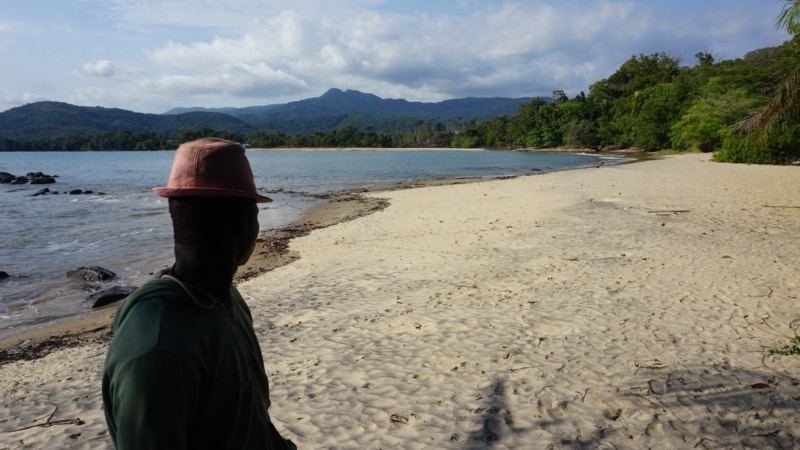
[184, 369]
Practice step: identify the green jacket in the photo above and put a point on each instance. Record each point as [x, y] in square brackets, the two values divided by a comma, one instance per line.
[180, 376]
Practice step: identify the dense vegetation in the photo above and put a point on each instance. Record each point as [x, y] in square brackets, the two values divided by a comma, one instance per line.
[651, 102]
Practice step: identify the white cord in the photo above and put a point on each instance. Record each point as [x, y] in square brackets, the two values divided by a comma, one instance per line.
[194, 299]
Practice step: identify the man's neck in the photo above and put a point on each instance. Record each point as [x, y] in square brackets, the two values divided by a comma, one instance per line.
[211, 272]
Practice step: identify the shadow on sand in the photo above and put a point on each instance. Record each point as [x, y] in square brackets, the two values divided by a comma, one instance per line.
[716, 406]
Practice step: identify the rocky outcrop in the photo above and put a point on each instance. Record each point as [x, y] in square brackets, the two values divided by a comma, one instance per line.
[43, 192]
[91, 273]
[46, 191]
[3, 275]
[108, 296]
[39, 178]
[30, 177]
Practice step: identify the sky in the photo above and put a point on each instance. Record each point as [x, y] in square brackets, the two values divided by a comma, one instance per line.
[153, 55]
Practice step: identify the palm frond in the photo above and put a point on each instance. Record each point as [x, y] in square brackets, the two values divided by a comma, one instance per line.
[782, 110]
[789, 18]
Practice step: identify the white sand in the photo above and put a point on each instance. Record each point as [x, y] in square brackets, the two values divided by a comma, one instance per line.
[551, 311]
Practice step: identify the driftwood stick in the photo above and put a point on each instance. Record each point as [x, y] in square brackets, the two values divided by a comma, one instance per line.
[75, 421]
[781, 206]
[665, 211]
[48, 422]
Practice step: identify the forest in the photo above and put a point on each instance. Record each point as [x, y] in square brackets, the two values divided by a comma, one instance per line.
[652, 102]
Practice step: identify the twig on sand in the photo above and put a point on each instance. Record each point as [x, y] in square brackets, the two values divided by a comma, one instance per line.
[75, 421]
[48, 422]
[515, 370]
[781, 206]
[770, 434]
[768, 294]
[703, 440]
[669, 211]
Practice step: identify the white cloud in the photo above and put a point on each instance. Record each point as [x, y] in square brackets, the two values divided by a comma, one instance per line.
[229, 14]
[89, 96]
[102, 69]
[10, 100]
[517, 49]
[109, 70]
[419, 55]
[243, 80]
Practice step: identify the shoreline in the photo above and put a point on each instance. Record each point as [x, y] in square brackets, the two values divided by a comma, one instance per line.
[271, 252]
[359, 149]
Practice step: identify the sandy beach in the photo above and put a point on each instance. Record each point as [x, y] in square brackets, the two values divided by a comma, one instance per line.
[626, 307]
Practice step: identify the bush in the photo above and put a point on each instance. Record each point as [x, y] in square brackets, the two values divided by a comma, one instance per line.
[737, 148]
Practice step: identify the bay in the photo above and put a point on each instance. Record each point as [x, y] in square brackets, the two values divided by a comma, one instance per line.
[122, 226]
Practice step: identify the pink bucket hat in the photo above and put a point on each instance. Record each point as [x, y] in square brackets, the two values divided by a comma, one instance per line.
[211, 167]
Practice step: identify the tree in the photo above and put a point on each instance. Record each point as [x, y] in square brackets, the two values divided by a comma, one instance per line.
[638, 109]
[636, 74]
[783, 110]
[789, 19]
[704, 58]
[705, 125]
[559, 96]
[579, 119]
[655, 109]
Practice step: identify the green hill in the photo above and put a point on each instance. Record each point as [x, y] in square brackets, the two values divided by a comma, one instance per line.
[329, 112]
[336, 102]
[54, 119]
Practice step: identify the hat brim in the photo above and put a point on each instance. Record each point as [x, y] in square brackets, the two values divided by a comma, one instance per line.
[208, 192]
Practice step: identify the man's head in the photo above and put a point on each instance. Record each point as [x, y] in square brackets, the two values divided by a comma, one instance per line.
[212, 199]
[220, 225]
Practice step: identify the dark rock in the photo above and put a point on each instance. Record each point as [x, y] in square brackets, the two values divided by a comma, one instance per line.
[108, 296]
[91, 288]
[39, 178]
[75, 192]
[6, 177]
[87, 192]
[42, 180]
[3, 275]
[41, 192]
[30, 177]
[92, 273]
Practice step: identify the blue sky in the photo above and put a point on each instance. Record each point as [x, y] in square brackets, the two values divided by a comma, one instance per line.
[153, 55]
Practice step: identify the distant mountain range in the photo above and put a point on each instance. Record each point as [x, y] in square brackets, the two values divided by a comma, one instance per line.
[326, 113]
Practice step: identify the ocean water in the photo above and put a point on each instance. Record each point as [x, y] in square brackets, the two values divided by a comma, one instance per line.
[122, 226]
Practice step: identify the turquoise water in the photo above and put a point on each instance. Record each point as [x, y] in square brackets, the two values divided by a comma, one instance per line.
[125, 228]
